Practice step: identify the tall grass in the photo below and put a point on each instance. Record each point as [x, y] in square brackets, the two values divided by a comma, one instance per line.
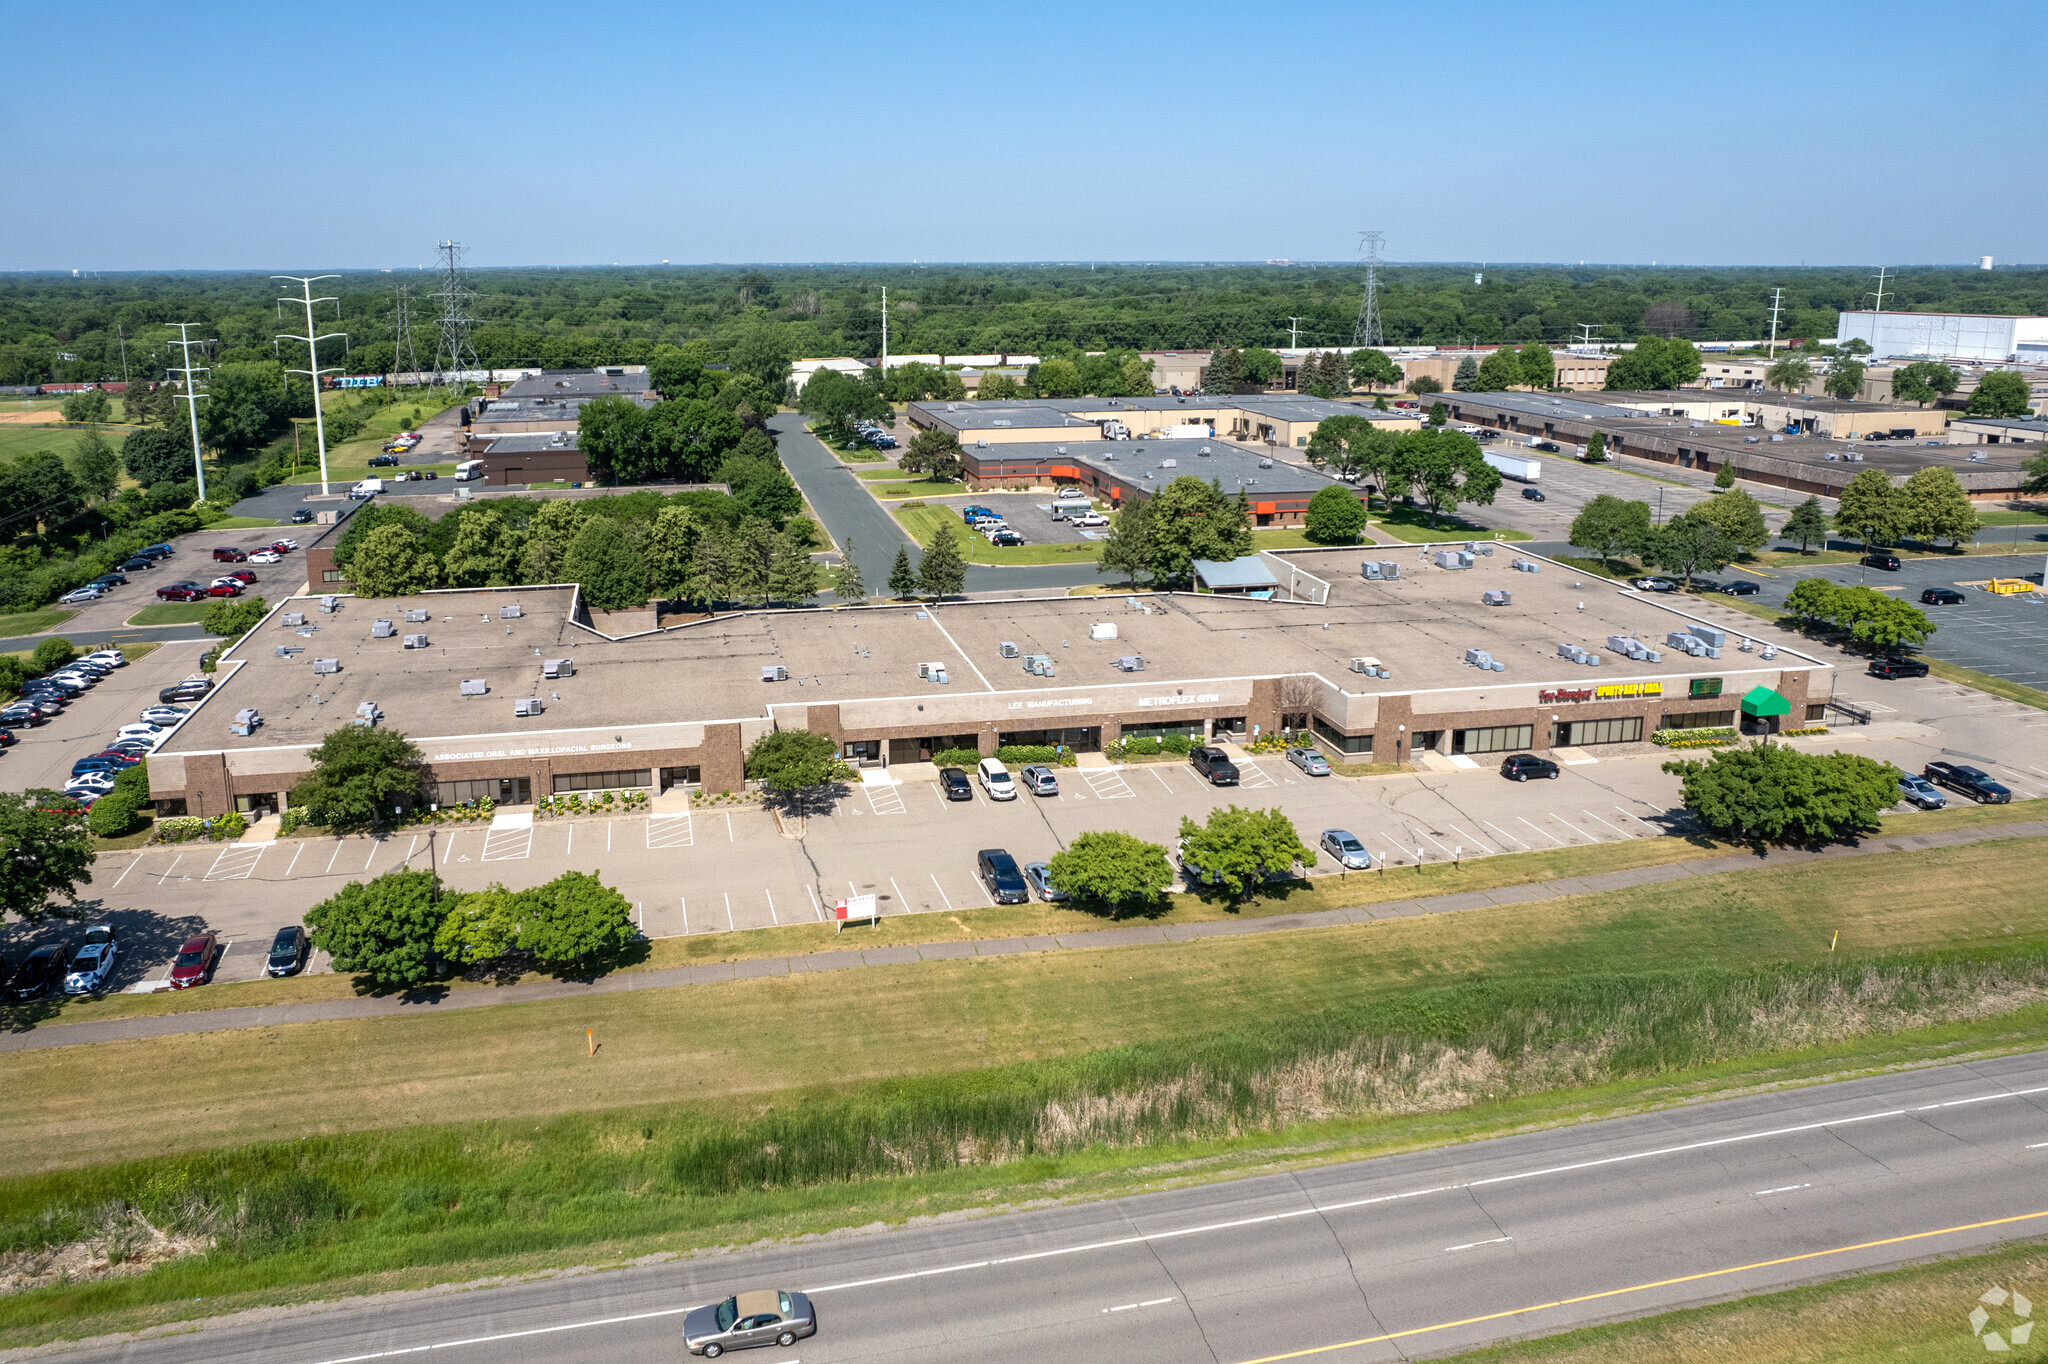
[297, 1212]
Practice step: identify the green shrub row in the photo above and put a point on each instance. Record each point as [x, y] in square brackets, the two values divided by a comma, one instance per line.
[1695, 738]
[1148, 746]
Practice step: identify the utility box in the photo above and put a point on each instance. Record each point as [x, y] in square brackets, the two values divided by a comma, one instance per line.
[774, 672]
[245, 722]
[367, 714]
[1369, 571]
[415, 641]
[558, 667]
[326, 665]
[529, 705]
[329, 605]
[1708, 635]
[291, 619]
[1479, 547]
[1131, 663]
[475, 686]
[1496, 598]
[1009, 649]
[511, 612]
[1389, 570]
[1453, 558]
[1526, 566]
[1102, 630]
[416, 616]
[938, 675]
[380, 629]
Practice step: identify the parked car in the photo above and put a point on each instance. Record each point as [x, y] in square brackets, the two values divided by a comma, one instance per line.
[953, 781]
[142, 729]
[1975, 784]
[80, 595]
[191, 689]
[195, 961]
[230, 554]
[284, 544]
[1921, 792]
[1547, 445]
[6, 738]
[41, 972]
[302, 516]
[266, 556]
[383, 461]
[1002, 876]
[68, 686]
[995, 779]
[23, 717]
[1088, 519]
[1039, 875]
[180, 592]
[113, 658]
[93, 962]
[1893, 668]
[1039, 780]
[1942, 596]
[1888, 562]
[768, 1317]
[1534, 495]
[246, 577]
[1309, 761]
[138, 564]
[1344, 846]
[114, 579]
[288, 952]
[1522, 766]
[224, 587]
[1214, 765]
[1006, 539]
[163, 715]
[1741, 587]
[156, 551]
[1653, 584]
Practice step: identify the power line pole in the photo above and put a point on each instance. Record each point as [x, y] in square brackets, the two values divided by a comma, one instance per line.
[313, 338]
[1777, 299]
[192, 394]
[406, 351]
[1366, 331]
[1294, 333]
[1586, 330]
[885, 339]
[454, 295]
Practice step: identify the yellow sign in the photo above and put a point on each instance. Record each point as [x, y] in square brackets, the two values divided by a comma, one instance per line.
[1617, 690]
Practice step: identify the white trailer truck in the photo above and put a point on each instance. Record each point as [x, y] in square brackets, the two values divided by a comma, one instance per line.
[1514, 466]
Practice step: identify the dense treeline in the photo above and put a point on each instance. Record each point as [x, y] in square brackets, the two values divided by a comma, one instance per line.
[59, 328]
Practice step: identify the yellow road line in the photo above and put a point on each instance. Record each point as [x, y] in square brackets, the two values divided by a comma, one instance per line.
[1644, 1287]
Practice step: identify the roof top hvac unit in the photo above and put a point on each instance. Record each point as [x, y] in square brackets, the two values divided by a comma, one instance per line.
[417, 616]
[1578, 655]
[245, 723]
[774, 672]
[1496, 598]
[1479, 547]
[1008, 648]
[292, 618]
[330, 604]
[1102, 630]
[1484, 661]
[415, 641]
[1526, 566]
[558, 667]
[1453, 558]
[526, 705]
[380, 629]
[509, 612]
[1131, 663]
[367, 714]
[1038, 665]
[326, 665]
[475, 686]
[1371, 667]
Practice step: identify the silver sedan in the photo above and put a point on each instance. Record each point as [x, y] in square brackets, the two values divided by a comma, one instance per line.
[1346, 849]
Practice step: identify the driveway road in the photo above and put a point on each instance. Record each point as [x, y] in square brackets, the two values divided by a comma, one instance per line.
[1425, 1252]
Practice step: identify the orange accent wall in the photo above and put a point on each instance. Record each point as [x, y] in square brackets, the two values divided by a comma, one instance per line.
[1264, 508]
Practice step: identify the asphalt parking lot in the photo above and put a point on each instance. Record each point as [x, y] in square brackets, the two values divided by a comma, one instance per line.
[1029, 514]
[2005, 636]
[42, 757]
[1568, 485]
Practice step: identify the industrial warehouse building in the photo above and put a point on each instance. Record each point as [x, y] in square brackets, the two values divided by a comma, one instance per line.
[509, 694]
[1132, 471]
[1990, 337]
[1254, 419]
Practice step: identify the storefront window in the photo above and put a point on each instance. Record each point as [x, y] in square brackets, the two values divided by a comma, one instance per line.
[1579, 733]
[602, 781]
[680, 776]
[502, 790]
[1698, 719]
[1339, 740]
[1191, 728]
[1500, 739]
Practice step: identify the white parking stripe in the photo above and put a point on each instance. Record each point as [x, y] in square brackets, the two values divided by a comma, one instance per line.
[1597, 820]
[728, 911]
[884, 800]
[125, 870]
[1640, 820]
[684, 901]
[1573, 827]
[1250, 769]
[1107, 783]
[772, 915]
[899, 894]
[1502, 832]
[331, 860]
[287, 871]
[941, 890]
[1162, 780]
[1545, 832]
[820, 909]
[671, 831]
[168, 870]
[1484, 850]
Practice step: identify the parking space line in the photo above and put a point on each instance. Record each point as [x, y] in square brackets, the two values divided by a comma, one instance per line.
[671, 831]
[941, 890]
[1425, 834]
[1545, 832]
[889, 802]
[1573, 827]
[818, 908]
[374, 845]
[776, 918]
[607, 835]
[168, 870]
[1265, 778]
[570, 851]
[508, 845]
[728, 911]
[1502, 832]
[1110, 785]
[287, 871]
[331, 860]
[684, 901]
[124, 872]
[899, 894]
[1162, 779]
[450, 853]
[1483, 849]
[728, 827]
[1597, 820]
[1640, 820]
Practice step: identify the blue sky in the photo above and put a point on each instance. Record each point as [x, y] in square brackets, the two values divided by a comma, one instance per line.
[232, 136]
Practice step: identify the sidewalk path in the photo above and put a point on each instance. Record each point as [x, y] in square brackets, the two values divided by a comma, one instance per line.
[474, 997]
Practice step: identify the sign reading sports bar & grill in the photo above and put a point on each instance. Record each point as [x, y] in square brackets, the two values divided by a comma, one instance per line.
[1613, 691]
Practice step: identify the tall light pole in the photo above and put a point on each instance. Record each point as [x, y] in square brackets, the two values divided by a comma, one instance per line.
[192, 395]
[313, 338]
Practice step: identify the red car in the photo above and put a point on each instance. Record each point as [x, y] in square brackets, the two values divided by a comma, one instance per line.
[224, 590]
[181, 592]
[194, 965]
[282, 546]
[228, 554]
[243, 576]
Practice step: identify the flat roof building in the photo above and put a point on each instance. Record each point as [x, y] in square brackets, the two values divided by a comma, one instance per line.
[509, 693]
[1946, 336]
[1132, 471]
[1264, 419]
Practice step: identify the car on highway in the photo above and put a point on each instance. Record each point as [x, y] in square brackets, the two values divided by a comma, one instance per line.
[195, 961]
[954, 784]
[1522, 766]
[1653, 584]
[191, 689]
[93, 962]
[1741, 587]
[995, 779]
[778, 1317]
[41, 972]
[186, 591]
[1968, 781]
[1888, 562]
[80, 595]
[288, 952]
[1533, 495]
[1344, 847]
[1942, 596]
[1309, 761]
[1000, 873]
[1921, 792]
[1039, 874]
[1039, 779]
[163, 715]
[302, 516]
[266, 556]
[1893, 668]
[1214, 765]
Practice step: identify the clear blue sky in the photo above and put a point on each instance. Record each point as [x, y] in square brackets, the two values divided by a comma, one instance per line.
[230, 136]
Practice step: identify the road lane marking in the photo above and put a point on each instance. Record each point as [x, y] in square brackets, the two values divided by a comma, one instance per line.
[1474, 1245]
[1545, 832]
[513, 1335]
[1645, 1287]
[1782, 1188]
[940, 889]
[1134, 1306]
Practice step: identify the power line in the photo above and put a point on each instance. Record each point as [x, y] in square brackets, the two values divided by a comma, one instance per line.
[313, 338]
[455, 322]
[1777, 298]
[1366, 332]
[191, 395]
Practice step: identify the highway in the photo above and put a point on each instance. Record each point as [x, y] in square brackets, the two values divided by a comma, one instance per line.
[1378, 1259]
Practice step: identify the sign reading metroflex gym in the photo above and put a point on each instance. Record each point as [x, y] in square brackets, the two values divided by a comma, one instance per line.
[1613, 691]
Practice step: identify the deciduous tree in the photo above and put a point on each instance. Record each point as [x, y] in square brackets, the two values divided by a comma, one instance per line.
[1767, 793]
[485, 551]
[1845, 379]
[1335, 515]
[1937, 508]
[1111, 870]
[1738, 516]
[1242, 846]
[2001, 393]
[1499, 372]
[935, 454]
[1189, 520]
[361, 778]
[45, 852]
[1539, 365]
[158, 454]
[1596, 450]
[573, 918]
[795, 762]
[1789, 375]
[1374, 368]
[1691, 544]
[95, 465]
[1923, 382]
[1871, 509]
[383, 929]
[1612, 527]
[233, 617]
[1445, 470]
[605, 562]
[392, 562]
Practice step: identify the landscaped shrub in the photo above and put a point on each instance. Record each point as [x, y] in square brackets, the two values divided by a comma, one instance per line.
[957, 757]
[1018, 754]
[179, 828]
[1695, 738]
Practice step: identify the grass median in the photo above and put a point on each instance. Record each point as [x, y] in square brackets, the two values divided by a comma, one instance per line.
[18, 623]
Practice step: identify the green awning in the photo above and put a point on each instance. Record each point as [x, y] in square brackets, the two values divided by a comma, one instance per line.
[1762, 701]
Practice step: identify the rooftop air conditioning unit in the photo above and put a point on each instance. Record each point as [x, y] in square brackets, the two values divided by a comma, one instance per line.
[245, 722]
[509, 612]
[1102, 630]
[1008, 648]
[287, 650]
[1203, 451]
[1369, 570]
[774, 672]
[326, 665]
[475, 686]
[1496, 598]
[330, 605]
[415, 616]
[380, 629]
[558, 667]
[294, 618]
[1169, 464]
[1708, 635]
[415, 641]
[1527, 566]
[1389, 570]
[1131, 663]
[527, 706]
[367, 714]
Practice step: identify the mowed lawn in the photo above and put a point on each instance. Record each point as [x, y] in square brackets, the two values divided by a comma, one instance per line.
[733, 1047]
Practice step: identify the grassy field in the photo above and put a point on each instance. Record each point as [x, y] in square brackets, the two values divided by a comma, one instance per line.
[924, 522]
[16, 441]
[1918, 1315]
[1412, 525]
[16, 623]
[892, 472]
[170, 613]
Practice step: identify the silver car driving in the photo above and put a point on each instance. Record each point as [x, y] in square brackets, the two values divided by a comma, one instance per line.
[769, 1316]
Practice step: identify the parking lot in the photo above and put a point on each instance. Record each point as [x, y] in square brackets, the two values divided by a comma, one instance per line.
[1029, 514]
[1568, 485]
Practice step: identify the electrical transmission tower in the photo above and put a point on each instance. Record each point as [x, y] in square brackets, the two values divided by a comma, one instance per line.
[454, 294]
[1367, 331]
[192, 395]
[313, 338]
[405, 359]
[1777, 303]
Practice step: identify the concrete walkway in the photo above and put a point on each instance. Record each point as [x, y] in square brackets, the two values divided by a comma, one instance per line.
[855, 958]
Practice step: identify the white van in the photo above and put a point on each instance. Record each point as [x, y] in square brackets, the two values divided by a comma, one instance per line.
[469, 468]
[369, 487]
[995, 780]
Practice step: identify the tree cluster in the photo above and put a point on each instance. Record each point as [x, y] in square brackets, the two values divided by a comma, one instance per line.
[1877, 620]
[1533, 366]
[1324, 374]
[1242, 848]
[45, 852]
[1655, 362]
[684, 439]
[2001, 393]
[1766, 793]
[1440, 469]
[1932, 505]
[1117, 373]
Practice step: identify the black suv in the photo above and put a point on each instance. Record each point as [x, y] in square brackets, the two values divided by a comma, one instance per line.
[1002, 876]
[954, 783]
[1214, 764]
[1978, 786]
[287, 952]
[1942, 596]
[1522, 766]
[41, 973]
[1889, 562]
[1897, 667]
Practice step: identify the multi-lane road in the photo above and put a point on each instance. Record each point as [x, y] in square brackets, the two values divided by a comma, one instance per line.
[1377, 1259]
